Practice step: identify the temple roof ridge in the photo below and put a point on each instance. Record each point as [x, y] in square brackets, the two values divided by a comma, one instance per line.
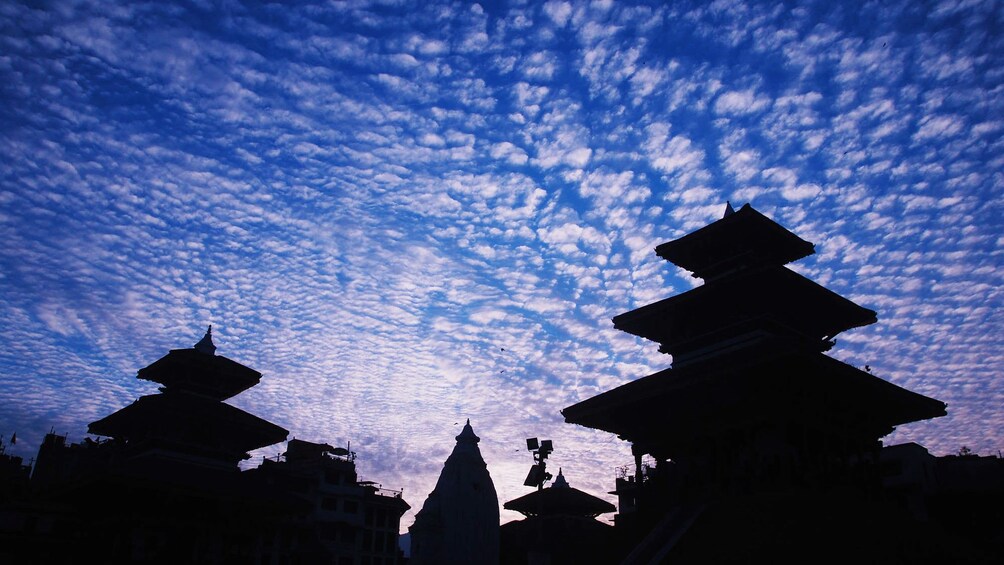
[200, 370]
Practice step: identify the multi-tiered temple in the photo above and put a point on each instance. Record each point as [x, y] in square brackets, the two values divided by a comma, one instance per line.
[751, 403]
[188, 421]
[164, 485]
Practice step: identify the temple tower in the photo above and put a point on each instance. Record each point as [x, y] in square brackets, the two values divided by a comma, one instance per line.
[459, 522]
[751, 404]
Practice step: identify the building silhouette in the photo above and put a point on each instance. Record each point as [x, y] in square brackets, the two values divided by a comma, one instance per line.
[163, 485]
[559, 528]
[459, 522]
[754, 435]
[339, 519]
[963, 493]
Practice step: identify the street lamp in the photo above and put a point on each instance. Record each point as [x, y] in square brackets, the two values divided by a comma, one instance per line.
[538, 474]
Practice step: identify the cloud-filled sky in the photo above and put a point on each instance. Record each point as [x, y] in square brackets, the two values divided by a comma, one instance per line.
[405, 214]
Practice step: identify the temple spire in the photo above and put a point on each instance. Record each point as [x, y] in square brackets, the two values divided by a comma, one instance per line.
[205, 345]
[459, 522]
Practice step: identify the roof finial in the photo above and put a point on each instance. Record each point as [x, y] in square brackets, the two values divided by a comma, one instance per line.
[729, 210]
[559, 481]
[205, 345]
[467, 435]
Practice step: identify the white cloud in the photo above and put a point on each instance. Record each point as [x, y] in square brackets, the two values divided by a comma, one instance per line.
[559, 12]
[740, 102]
[800, 192]
[511, 153]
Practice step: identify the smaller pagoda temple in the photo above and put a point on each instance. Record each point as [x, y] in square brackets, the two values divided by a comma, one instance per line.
[560, 528]
[188, 420]
[164, 484]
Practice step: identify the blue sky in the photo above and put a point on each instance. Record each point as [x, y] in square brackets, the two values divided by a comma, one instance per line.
[408, 214]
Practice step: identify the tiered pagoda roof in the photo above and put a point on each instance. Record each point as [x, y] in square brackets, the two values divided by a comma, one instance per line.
[189, 415]
[668, 409]
[774, 299]
[747, 347]
[743, 239]
[559, 499]
[194, 421]
[199, 370]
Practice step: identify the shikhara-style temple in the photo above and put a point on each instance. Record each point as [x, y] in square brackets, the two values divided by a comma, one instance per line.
[752, 422]
[459, 522]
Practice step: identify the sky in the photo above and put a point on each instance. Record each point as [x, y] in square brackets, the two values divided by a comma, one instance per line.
[409, 214]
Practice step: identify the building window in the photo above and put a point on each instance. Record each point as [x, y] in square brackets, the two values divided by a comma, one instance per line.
[350, 506]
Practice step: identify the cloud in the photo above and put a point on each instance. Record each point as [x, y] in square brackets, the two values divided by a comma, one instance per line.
[740, 102]
[559, 12]
[505, 150]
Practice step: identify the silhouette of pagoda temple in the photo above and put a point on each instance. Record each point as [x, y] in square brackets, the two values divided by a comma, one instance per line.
[188, 421]
[165, 485]
[560, 528]
[751, 404]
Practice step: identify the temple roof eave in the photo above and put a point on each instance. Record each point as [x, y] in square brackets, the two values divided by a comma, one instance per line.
[745, 234]
[566, 501]
[779, 292]
[169, 412]
[666, 405]
[191, 369]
